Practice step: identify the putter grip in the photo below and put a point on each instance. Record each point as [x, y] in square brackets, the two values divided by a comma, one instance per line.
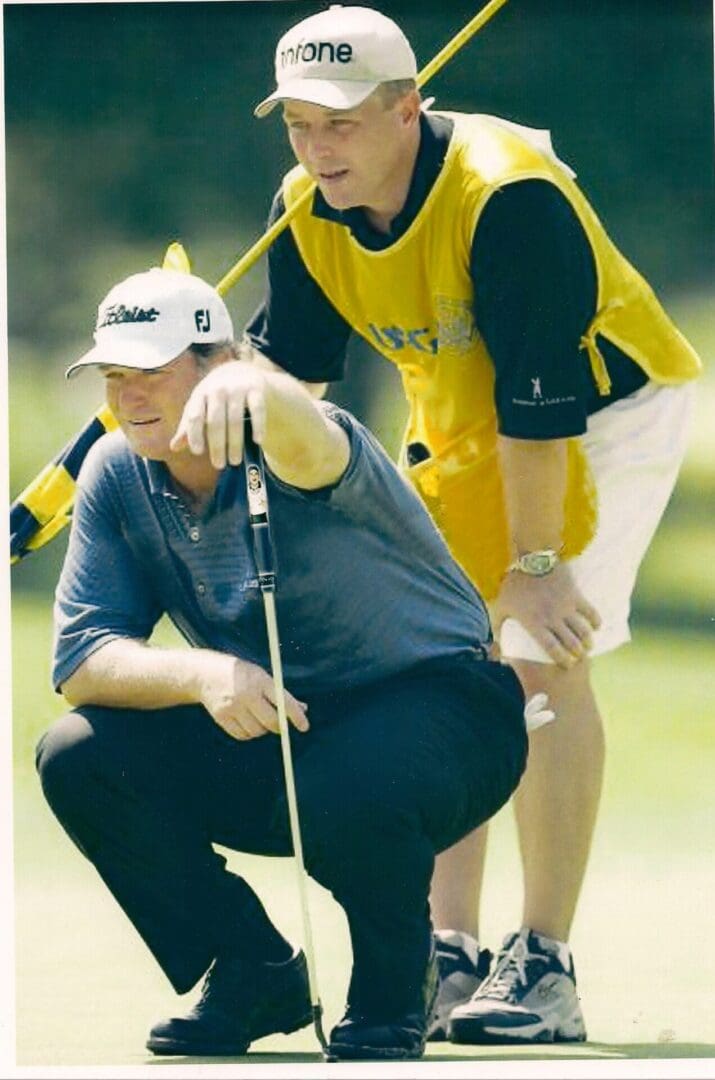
[258, 508]
[263, 551]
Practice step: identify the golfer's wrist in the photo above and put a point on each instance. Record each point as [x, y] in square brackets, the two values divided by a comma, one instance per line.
[205, 670]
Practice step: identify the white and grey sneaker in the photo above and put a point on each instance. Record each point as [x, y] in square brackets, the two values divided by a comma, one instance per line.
[530, 997]
[462, 967]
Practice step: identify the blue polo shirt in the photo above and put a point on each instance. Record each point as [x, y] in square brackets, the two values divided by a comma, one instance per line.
[366, 587]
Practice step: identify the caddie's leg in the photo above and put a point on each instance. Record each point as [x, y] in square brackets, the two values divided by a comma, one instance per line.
[138, 792]
[455, 898]
[634, 448]
[457, 884]
[556, 820]
[556, 805]
[531, 995]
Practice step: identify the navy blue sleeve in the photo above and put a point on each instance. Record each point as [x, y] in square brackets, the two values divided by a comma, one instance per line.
[296, 326]
[103, 593]
[535, 294]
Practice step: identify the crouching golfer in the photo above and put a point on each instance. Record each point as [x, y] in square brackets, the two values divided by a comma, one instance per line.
[404, 736]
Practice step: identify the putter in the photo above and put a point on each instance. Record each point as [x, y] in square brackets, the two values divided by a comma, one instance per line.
[265, 564]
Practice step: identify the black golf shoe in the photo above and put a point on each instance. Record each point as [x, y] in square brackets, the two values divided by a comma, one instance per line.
[358, 1037]
[238, 1004]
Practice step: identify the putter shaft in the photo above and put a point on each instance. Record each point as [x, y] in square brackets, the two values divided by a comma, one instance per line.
[265, 564]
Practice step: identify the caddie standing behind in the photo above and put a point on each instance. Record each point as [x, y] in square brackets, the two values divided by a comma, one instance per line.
[548, 411]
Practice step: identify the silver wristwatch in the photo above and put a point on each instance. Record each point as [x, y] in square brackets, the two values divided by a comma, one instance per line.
[536, 563]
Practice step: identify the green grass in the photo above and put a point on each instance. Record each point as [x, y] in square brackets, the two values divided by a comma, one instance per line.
[87, 990]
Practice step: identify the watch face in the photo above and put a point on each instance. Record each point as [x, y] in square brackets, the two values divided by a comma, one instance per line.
[539, 562]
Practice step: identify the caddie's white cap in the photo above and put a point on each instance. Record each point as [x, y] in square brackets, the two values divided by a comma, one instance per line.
[338, 57]
[149, 319]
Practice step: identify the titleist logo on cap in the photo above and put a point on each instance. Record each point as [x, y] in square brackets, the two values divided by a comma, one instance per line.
[119, 313]
[306, 52]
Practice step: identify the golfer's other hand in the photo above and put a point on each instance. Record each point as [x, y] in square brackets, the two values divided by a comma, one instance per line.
[241, 698]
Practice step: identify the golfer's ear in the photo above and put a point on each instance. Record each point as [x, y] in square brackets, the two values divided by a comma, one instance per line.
[230, 352]
[409, 107]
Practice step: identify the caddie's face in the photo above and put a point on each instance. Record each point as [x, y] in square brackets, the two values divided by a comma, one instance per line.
[148, 404]
[356, 157]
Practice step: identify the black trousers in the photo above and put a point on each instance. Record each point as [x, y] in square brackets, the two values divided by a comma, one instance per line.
[387, 776]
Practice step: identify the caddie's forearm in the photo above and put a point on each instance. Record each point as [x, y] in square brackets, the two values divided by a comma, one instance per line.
[131, 674]
[534, 475]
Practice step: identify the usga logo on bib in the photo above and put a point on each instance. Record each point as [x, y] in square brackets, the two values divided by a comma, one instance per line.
[307, 52]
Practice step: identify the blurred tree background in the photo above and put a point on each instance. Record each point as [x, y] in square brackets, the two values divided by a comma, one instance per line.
[130, 125]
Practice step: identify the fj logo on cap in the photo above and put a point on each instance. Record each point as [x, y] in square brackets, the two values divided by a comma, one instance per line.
[307, 52]
[202, 318]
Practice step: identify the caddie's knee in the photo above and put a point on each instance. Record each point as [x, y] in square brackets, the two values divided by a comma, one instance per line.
[559, 683]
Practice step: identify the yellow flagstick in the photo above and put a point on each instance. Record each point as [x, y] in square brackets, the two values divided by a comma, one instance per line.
[252, 256]
[480, 19]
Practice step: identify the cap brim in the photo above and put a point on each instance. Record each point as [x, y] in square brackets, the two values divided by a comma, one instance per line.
[127, 356]
[331, 95]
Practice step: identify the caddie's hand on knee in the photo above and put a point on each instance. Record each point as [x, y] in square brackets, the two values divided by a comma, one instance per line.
[240, 697]
[212, 420]
[552, 610]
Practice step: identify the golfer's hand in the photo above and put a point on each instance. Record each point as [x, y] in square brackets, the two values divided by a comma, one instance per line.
[241, 698]
[553, 611]
[212, 419]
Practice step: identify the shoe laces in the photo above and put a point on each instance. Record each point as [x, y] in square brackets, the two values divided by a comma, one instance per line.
[511, 970]
[223, 983]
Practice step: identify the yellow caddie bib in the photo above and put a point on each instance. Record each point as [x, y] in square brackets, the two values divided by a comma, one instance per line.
[413, 302]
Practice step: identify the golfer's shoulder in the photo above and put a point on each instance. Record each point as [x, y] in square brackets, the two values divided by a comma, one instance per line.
[109, 463]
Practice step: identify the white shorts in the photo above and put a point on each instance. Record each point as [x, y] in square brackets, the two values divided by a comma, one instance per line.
[635, 448]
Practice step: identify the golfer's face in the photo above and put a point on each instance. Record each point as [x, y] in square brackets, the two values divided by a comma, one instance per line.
[351, 155]
[148, 404]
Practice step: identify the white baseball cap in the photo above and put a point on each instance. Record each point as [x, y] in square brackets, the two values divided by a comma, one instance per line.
[338, 57]
[149, 319]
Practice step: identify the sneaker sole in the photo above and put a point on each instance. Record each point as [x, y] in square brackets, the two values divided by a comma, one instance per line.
[167, 1047]
[469, 1033]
